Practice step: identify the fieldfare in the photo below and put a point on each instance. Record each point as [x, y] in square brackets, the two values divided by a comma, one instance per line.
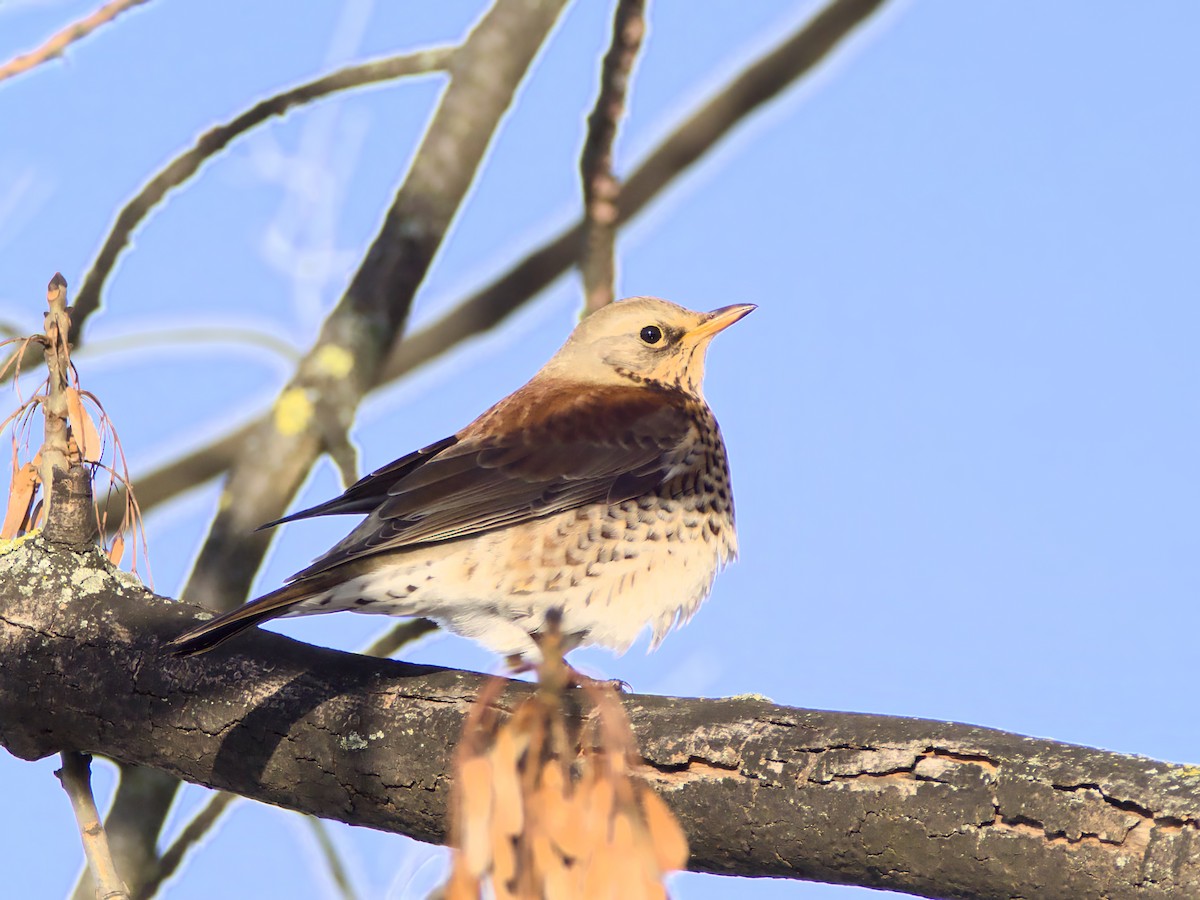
[599, 490]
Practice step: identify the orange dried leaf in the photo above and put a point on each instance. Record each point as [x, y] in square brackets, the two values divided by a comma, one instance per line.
[474, 782]
[549, 806]
[462, 886]
[605, 878]
[83, 429]
[670, 843]
[546, 861]
[560, 881]
[117, 550]
[506, 784]
[504, 860]
[20, 497]
[599, 808]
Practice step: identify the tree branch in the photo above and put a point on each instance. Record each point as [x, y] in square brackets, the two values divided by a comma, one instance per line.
[929, 808]
[76, 778]
[217, 138]
[75, 31]
[199, 826]
[601, 190]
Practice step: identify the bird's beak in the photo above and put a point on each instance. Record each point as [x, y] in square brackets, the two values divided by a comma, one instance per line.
[719, 320]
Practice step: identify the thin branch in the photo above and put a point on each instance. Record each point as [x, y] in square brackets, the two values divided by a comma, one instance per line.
[213, 141]
[76, 778]
[761, 81]
[191, 835]
[199, 334]
[399, 635]
[55, 453]
[69, 35]
[601, 190]
[333, 859]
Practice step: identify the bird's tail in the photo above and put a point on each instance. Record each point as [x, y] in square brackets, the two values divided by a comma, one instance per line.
[216, 631]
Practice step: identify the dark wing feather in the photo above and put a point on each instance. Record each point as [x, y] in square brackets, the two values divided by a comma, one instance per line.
[596, 446]
[369, 491]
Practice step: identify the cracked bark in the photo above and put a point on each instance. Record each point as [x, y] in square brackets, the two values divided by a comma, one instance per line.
[928, 808]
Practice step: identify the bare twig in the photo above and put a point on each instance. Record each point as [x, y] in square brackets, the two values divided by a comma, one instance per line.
[399, 635]
[199, 334]
[76, 778]
[69, 35]
[333, 859]
[57, 324]
[761, 81]
[601, 190]
[199, 826]
[184, 166]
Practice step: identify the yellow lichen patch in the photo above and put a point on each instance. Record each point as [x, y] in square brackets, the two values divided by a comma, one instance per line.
[334, 361]
[7, 545]
[1189, 771]
[293, 412]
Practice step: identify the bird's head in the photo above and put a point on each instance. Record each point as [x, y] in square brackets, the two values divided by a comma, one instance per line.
[644, 339]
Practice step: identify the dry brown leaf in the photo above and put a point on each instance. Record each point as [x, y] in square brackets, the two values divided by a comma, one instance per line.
[475, 779]
[83, 429]
[461, 885]
[504, 860]
[117, 550]
[560, 881]
[546, 861]
[670, 843]
[603, 879]
[599, 808]
[20, 498]
[506, 784]
[552, 810]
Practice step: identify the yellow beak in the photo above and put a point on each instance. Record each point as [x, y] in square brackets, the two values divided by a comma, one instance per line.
[719, 320]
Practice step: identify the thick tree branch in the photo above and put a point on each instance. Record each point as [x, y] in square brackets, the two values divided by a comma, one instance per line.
[315, 410]
[929, 808]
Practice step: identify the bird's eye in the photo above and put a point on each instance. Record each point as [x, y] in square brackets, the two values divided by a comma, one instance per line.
[651, 334]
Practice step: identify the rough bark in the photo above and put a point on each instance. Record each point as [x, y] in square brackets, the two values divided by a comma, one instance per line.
[929, 808]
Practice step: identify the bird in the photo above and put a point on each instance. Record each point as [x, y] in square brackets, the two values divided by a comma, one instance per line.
[596, 497]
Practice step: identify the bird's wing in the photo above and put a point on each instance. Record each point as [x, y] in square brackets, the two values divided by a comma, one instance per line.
[369, 491]
[535, 457]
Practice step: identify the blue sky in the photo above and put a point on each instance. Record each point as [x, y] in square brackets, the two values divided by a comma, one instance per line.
[963, 422]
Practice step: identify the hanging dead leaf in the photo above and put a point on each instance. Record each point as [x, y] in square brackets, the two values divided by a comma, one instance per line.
[84, 430]
[670, 843]
[475, 775]
[117, 550]
[20, 499]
